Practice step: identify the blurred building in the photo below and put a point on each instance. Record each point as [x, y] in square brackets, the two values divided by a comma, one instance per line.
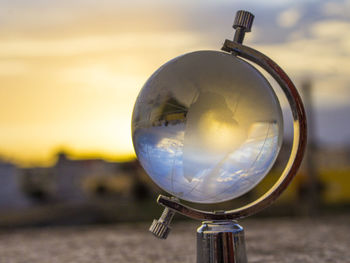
[80, 181]
[71, 177]
[71, 181]
[332, 165]
[73, 191]
[11, 194]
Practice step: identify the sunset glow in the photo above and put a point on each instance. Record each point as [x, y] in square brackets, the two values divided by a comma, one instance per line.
[70, 72]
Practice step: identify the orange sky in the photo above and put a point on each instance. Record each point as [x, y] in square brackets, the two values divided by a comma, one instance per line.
[70, 72]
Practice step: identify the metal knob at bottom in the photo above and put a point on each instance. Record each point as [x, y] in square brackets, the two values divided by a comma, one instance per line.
[160, 228]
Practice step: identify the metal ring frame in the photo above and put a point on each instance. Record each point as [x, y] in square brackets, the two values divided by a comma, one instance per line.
[297, 152]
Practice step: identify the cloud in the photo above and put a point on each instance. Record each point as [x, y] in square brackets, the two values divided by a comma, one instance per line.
[95, 43]
[340, 9]
[331, 29]
[289, 17]
[323, 56]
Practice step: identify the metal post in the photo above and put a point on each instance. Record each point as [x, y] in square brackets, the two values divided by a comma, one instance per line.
[220, 242]
[311, 190]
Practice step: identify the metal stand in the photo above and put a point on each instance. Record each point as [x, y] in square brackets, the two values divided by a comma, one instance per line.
[220, 242]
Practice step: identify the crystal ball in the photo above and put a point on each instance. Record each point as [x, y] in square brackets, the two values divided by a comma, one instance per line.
[207, 127]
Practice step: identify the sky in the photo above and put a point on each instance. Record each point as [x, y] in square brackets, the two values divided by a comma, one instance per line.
[70, 71]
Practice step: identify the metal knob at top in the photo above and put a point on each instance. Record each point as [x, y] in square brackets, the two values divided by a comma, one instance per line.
[243, 19]
[243, 23]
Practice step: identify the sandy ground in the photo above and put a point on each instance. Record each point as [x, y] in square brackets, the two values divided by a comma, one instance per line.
[268, 240]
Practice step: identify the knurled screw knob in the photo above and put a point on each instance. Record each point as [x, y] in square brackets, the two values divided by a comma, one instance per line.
[160, 228]
[243, 24]
[243, 19]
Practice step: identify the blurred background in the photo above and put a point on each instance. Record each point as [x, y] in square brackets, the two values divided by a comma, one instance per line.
[70, 72]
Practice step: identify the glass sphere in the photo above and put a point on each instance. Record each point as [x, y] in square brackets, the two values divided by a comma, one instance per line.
[207, 127]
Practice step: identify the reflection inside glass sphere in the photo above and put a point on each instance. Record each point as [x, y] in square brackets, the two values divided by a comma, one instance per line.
[207, 127]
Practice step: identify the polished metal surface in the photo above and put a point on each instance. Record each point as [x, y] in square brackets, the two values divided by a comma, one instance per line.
[160, 228]
[220, 242]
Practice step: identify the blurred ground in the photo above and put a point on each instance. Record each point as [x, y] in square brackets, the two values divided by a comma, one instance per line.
[286, 240]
